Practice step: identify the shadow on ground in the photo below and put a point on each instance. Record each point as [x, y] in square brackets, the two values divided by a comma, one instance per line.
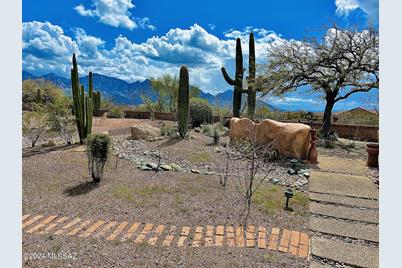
[82, 188]
[170, 142]
[27, 152]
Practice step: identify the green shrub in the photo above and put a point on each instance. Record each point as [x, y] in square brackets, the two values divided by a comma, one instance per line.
[98, 150]
[116, 112]
[169, 131]
[200, 112]
[215, 131]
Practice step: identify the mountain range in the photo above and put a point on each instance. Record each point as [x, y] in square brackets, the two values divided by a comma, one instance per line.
[125, 93]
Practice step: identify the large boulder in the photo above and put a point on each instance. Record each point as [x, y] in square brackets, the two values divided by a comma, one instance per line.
[143, 131]
[292, 139]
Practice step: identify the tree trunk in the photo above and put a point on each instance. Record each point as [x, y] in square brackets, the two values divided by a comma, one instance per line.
[326, 121]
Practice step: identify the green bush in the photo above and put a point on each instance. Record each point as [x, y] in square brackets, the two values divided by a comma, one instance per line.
[169, 131]
[116, 112]
[98, 150]
[200, 112]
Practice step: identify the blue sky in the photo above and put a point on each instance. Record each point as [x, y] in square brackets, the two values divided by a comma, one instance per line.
[138, 39]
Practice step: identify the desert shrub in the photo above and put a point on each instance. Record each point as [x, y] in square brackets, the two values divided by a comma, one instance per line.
[34, 125]
[98, 150]
[169, 131]
[215, 131]
[116, 112]
[61, 119]
[200, 112]
[40, 92]
[331, 135]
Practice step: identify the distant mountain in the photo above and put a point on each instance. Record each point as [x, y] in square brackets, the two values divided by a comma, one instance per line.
[123, 92]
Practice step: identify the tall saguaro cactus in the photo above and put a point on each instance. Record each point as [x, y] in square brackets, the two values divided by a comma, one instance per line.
[237, 81]
[251, 91]
[183, 102]
[83, 105]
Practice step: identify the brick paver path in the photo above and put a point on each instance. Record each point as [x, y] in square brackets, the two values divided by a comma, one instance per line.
[290, 242]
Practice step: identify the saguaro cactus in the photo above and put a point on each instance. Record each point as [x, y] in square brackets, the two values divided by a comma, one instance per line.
[183, 102]
[237, 81]
[251, 91]
[83, 105]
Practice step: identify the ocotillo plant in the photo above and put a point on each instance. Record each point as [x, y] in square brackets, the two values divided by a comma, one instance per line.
[237, 81]
[251, 91]
[83, 105]
[183, 102]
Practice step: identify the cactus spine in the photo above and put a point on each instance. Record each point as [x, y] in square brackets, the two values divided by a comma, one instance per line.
[183, 102]
[83, 104]
[251, 91]
[237, 81]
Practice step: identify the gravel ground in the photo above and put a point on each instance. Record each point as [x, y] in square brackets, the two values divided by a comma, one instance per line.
[58, 183]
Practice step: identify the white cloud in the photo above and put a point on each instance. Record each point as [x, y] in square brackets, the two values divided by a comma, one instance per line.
[292, 100]
[114, 13]
[370, 7]
[46, 48]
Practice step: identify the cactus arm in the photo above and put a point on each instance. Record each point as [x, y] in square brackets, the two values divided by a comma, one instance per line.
[227, 78]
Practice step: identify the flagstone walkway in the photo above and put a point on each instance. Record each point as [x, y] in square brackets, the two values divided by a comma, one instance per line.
[343, 215]
[286, 241]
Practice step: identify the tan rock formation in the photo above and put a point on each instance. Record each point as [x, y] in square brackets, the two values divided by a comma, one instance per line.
[292, 139]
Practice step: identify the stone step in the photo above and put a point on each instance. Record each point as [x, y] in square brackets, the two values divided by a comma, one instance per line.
[341, 184]
[367, 232]
[342, 165]
[350, 254]
[354, 214]
[344, 200]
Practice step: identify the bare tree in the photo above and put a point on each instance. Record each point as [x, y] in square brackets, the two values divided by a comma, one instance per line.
[342, 63]
[247, 165]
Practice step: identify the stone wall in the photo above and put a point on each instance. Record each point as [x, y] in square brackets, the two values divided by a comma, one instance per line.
[357, 132]
[347, 131]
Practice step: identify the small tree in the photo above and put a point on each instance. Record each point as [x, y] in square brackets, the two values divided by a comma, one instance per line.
[98, 150]
[343, 63]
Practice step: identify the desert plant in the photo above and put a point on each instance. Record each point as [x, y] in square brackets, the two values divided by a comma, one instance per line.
[215, 131]
[83, 105]
[97, 100]
[200, 112]
[116, 112]
[183, 101]
[98, 149]
[169, 131]
[237, 81]
[34, 125]
[251, 90]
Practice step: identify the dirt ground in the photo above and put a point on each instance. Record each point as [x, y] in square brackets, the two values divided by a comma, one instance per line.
[57, 182]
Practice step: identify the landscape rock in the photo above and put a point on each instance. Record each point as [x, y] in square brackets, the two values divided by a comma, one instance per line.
[196, 171]
[166, 167]
[291, 139]
[144, 131]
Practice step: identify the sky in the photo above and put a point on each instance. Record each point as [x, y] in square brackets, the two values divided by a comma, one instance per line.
[139, 39]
